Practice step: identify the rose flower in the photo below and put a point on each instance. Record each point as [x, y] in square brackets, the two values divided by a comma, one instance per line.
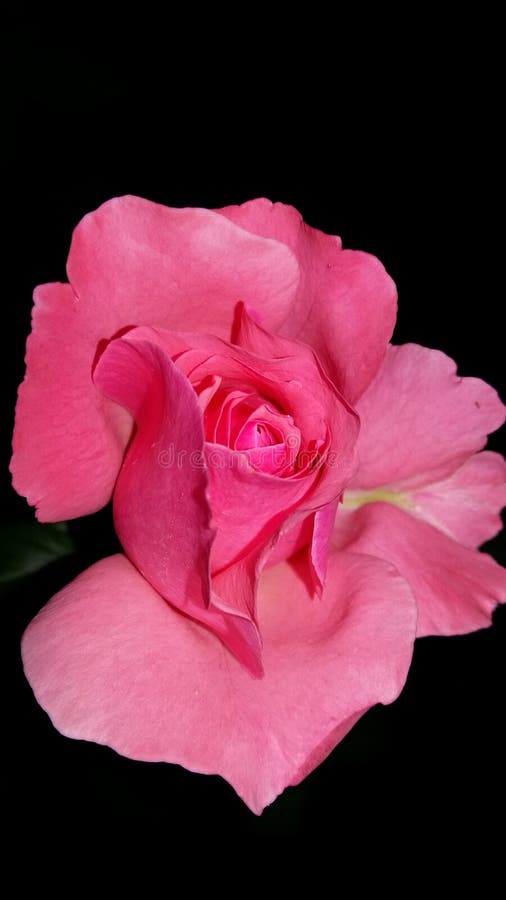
[296, 499]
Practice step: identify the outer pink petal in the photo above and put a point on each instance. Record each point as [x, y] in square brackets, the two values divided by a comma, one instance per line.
[161, 512]
[131, 262]
[177, 268]
[111, 662]
[456, 588]
[420, 421]
[467, 504]
[346, 303]
[68, 440]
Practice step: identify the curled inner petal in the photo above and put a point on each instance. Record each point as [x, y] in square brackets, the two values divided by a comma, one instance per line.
[245, 421]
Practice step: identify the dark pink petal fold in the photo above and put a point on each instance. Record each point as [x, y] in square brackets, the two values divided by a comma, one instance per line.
[323, 526]
[161, 511]
[456, 588]
[420, 420]
[346, 304]
[111, 662]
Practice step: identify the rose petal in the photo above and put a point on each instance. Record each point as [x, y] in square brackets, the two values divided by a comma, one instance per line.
[292, 540]
[235, 588]
[456, 588]
[346, 303]
[323, 527]
[420, 421]
[68, 440]
[466, 505]
[111, 662]
[149, 264]
[312, 540]
[248, 506]
[161, 512]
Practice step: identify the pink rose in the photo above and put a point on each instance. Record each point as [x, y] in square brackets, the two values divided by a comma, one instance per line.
[296, 499]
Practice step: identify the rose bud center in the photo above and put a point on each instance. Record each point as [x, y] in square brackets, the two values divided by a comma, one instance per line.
[254, 425]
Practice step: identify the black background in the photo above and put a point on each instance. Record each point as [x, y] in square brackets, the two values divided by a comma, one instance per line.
[389, 143]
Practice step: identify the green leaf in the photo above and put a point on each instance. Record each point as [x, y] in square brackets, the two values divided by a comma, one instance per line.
[25, 547]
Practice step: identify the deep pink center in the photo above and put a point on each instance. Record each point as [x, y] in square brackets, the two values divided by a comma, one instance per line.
[245, 421]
